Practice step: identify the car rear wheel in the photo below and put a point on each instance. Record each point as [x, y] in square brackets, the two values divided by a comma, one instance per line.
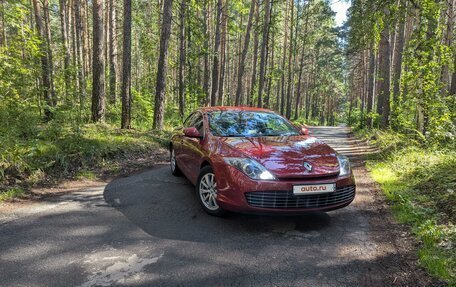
[206, 190]
[173, 163]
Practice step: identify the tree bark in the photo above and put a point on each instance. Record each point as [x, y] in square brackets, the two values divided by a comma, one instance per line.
[66, 52]
[98, 76]
[282, 80]
[106, 37]
[2, 25]
[453, 78]
[126, 66]
[301, 66]
[44, 63]
[216, 58]
[290, 65]
[448, 40]
[78, 28]
[113, 66]
[383, 107]
[255, 56]
[271, 68]
[47, 25]
[371, 86]
[87, 44]
[206, 74]
[182, 54]
[452, 90]
[160, 90]
[263, 56]
[399, 48]
[223, 47]
[245, 49]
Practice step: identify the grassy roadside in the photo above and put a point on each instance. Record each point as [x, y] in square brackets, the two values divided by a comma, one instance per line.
[56, 153]
[420, 184]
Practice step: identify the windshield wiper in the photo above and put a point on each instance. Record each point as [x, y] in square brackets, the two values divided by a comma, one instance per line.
[232, 136]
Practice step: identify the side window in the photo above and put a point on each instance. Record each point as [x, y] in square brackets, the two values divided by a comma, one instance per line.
[191, 119]
[199, 124]
[195, 120]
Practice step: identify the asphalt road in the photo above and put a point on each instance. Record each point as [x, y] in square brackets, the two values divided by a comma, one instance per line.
[148, 230]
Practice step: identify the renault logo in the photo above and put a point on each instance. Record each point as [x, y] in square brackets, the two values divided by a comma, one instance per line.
[308, 166]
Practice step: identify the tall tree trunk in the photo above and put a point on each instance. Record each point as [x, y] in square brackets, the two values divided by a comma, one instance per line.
[88, 42]
[216, 58]
[255, 56]
[264, 44]
[47, 25]
[44, 63]
[106, 30]
[384, 74]
[160, 89]
[78, 28]
[453, 78]
[398, 50]
[362, 88]
[223, 47]
[290, 64]
[271, 68]
[371, 85]
[282, 80]
[71, 24]
[2, 25]
[206, 74]
[113, 66]
[245, 49]
[448, 40]
[126, 66]
[301, 65]
[98, 76]
[182, 54]
[66, 52]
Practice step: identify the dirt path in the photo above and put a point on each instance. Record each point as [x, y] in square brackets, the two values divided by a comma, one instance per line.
[395, 248]
[148, 230]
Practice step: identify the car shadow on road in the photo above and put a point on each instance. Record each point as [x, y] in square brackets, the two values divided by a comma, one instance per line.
[166, 207]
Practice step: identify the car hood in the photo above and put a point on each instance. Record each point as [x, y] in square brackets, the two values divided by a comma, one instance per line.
[285, 156]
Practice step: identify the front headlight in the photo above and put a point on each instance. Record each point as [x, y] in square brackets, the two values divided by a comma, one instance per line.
[250, 167]
[344, 165]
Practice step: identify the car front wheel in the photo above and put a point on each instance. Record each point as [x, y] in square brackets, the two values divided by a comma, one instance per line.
[206, 190]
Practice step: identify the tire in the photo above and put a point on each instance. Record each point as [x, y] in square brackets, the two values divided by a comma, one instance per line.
[206, 191]
[175, 170]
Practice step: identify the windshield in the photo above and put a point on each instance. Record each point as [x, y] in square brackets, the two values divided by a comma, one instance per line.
[248, 124]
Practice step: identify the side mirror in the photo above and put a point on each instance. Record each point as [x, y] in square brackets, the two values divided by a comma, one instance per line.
[304, 131]
[192, 132]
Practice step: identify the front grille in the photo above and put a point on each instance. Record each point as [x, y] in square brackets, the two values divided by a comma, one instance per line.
[287, 200]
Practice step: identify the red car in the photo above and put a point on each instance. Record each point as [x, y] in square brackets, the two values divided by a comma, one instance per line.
[246, 159]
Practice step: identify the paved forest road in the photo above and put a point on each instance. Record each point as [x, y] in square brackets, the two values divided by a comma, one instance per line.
[148, 230]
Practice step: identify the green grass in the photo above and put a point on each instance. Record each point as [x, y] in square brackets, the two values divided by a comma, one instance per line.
[420, 184]
[12, 193]
[57, 151]
[86, 174]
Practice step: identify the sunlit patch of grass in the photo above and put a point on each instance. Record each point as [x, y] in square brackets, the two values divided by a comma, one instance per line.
[86, 174]
[421, 184]
[11, 193]
[57, 150]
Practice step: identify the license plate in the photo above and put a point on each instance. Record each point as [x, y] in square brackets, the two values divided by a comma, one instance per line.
[314, 188]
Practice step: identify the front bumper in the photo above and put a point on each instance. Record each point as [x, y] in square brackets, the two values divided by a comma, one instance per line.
[239, 193]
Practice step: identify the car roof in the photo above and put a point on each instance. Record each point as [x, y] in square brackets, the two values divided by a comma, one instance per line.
[232, 108]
